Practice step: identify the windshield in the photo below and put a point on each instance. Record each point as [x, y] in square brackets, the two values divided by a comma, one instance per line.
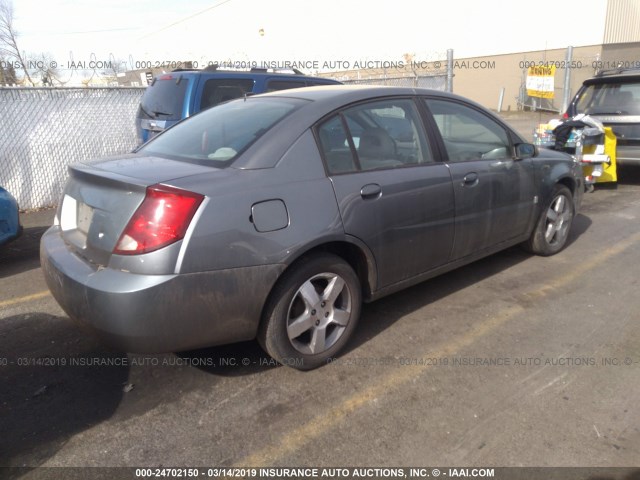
[610, 99]
[220, 134]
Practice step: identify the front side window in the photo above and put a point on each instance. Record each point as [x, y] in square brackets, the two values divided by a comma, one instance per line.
[220, 134]
[371, 136]
[468, 134]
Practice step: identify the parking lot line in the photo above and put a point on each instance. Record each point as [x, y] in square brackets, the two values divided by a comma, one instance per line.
[25, 299]
[298, 438]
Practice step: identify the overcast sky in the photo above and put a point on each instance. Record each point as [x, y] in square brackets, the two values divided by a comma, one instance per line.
[327, 30]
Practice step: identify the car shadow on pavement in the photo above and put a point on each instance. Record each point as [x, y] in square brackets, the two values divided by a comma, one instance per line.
[581, 223]
[627, 175]
[383, 313]
[237, 359]
[22, 254]
[56, 382]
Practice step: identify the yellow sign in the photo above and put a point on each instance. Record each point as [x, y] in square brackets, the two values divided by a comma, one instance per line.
[540, 81]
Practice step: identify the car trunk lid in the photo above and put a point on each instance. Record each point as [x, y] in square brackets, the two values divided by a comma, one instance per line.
[101, 197]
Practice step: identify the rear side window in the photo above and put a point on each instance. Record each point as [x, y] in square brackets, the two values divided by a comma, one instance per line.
[375, 135]
[220, 90]
[164, 99]
[220, 134]
[314, 83]
[336, 147]
[610, 99]
[273, 85]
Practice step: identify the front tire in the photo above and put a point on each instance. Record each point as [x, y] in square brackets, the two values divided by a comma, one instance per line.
[552, 230]
[312, 312]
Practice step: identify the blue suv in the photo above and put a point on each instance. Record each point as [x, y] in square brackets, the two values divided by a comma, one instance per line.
[182, 93]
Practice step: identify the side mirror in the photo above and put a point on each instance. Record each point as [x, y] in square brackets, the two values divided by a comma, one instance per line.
[525, 150]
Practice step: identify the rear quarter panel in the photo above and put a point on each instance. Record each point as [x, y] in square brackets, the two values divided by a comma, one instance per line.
[225, 236]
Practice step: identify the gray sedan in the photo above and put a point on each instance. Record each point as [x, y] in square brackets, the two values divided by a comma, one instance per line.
[274, 217]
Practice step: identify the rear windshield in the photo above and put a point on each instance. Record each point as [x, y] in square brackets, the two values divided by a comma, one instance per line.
[164, 99]
[610, 99]
[220, 134]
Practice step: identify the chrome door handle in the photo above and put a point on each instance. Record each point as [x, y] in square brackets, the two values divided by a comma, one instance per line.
[470, 180]
[372, 190]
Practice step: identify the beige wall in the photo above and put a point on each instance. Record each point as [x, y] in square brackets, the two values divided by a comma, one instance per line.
[626, 55]
[482, 78]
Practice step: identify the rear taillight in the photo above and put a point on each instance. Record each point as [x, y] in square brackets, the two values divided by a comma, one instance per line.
[161, 219]
[565, 116]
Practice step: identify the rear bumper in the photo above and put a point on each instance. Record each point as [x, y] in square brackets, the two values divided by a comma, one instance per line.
[157, 313]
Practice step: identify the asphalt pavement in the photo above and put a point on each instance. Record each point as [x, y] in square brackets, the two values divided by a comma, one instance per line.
[515, 360]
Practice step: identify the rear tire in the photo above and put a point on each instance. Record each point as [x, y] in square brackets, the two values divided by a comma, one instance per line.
[552, 230]
[311, 312]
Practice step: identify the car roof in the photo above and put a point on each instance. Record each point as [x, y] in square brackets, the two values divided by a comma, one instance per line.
[332, 97]
[618, 75]
[344, 94]
[253, 72]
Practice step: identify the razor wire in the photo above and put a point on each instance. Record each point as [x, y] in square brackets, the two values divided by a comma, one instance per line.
[44, 130]
[436, 82]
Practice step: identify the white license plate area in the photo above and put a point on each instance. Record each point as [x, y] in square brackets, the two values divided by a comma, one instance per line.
[85, 215]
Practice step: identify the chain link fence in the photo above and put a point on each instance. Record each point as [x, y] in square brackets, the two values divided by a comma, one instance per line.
[579, 66]
[43, 130]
